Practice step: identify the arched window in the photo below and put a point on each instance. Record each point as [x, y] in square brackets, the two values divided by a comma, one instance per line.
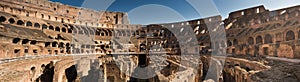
[54, 44]
[258, 40]
[64, 30]
[29, 24]
[11, 20]
[51, 27]
[250, 41]
[20, 22]
[16, 40]
[44, 26]
[2, 19]
[290, 36]
[268, 39]
[57, 29]
[36, 25]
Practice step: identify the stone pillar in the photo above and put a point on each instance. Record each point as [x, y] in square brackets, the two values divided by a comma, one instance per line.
[104, 73]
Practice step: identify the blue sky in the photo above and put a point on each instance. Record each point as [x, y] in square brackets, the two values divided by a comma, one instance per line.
[164, 11]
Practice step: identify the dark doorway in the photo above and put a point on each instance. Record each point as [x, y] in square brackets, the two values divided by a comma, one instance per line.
[71, 73]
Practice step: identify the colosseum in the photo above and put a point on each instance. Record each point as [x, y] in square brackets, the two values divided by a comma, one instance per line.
[44, 41]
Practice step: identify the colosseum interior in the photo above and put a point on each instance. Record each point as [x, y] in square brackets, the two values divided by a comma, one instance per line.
[44, 41]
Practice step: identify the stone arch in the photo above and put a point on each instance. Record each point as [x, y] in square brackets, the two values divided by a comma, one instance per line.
[11, 20]
[86, 31]
[268, 39]
[229, 43]
[2, 19]
[54, 44]
[290, 35]
[79, 29]
[102, 33]
[51, 27]
[63, 30]
[70, 30]
[16, 40]
[20, 22]
[25, 41]
[28, 24]
[250, 40]
[36, 25]
[106, 32]
[97, 31]
[235, 42]
[91, 30]
[61, 45]
[259, 40]
[74, 30]
[109, 32]
[57, 29]
[44, 26]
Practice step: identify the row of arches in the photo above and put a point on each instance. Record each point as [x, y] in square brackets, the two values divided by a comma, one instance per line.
[68, 28]
[265, 39]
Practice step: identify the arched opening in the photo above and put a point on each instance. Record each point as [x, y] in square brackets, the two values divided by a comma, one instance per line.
[25, 41]
[16, 40]
[36, 25]
[64, 30]
[33, 42]
[54, 44]
[2, 19]
[29, 24]
[97, 32]
[290, 36]
[268, 39]
[229, 43]
[51, 27]
[11, 20]
[61, 45]
[44, 26]
[47, 44]
[57, 29]
[235, 42]
[19, 22]
[250, 40]
[258, 40]
[47, 74]
[71, 73]
[69, 30]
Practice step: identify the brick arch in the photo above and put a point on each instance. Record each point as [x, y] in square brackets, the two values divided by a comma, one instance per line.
[268, 39]
[290, 35]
